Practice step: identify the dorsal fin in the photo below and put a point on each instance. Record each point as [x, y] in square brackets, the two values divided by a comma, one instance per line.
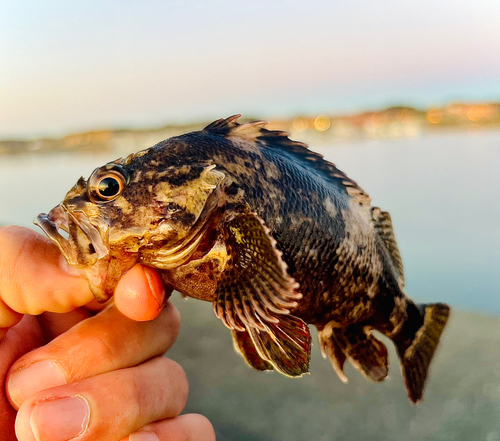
[383, 226]
[279, 140]
[223, 126]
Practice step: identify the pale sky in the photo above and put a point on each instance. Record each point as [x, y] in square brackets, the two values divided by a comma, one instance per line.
[80, 65]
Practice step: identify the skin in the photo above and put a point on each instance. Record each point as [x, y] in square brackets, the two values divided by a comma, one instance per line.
[114, 376]
[272, 234]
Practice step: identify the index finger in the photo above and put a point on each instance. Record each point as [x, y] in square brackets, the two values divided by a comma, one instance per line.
[34, 277]
[104, 343]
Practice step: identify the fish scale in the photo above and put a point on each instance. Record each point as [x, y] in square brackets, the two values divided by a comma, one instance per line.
[268, 231]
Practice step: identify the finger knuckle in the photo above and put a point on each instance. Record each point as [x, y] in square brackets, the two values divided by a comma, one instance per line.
[8, 317]
[94, 351]
[163, 397]
[104, 350]
[205, 430]
[178, 383]
[174, 319]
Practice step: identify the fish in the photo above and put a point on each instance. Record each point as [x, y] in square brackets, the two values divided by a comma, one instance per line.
[275, 236]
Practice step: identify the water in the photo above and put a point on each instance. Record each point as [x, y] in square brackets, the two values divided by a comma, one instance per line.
[443, 193]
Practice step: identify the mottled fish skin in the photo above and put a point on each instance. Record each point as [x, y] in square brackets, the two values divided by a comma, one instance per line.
[339, 268]
[272, 234]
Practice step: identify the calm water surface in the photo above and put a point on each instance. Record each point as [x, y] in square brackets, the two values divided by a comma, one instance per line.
[443, 193]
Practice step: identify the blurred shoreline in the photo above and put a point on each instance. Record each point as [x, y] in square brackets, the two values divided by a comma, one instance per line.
[393, 122]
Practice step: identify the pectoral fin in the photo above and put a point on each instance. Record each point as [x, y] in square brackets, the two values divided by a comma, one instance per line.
[286, 345]
[255, 294]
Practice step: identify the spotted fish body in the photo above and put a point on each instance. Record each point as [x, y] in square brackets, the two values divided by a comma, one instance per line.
[272, 234]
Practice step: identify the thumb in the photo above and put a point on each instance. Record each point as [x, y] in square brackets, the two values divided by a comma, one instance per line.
[140, 293]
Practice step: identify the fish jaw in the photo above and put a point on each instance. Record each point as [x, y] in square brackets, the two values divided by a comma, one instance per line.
[86, 249]
[50, 225]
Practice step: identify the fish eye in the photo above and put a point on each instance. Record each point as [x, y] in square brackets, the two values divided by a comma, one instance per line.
[107, 183]
[109, 187]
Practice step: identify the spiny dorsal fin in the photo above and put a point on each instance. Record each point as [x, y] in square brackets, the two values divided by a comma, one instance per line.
[383, 227]
[279, 140]
[223, 126]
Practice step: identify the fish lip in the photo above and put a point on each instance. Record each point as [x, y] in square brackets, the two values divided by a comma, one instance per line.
[59, 218]
[50, 224]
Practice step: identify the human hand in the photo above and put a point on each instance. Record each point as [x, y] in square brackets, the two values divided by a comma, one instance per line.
[35, 278]
[102, 375]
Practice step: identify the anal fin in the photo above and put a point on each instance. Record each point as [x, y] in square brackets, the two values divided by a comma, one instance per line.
[331, 350]
[357, 345]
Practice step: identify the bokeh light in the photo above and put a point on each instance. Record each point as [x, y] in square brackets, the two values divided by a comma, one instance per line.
[475, 113]
[405, 116]
[300, 124]
[434, 116]
[322, 123]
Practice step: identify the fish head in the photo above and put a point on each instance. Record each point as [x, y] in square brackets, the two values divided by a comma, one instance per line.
[130, 211]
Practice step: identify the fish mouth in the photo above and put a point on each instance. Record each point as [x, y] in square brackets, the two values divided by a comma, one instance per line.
[50, 224]
[73, 224]
[84, 247]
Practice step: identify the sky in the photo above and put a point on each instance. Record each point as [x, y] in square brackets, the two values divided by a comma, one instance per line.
[88, 65]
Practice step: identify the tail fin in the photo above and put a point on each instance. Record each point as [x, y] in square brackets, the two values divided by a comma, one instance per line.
[416, 352]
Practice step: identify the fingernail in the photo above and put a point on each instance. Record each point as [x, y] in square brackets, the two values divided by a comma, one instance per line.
[142, 436]
[34, 378]
[155, 285]
[61, 419]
